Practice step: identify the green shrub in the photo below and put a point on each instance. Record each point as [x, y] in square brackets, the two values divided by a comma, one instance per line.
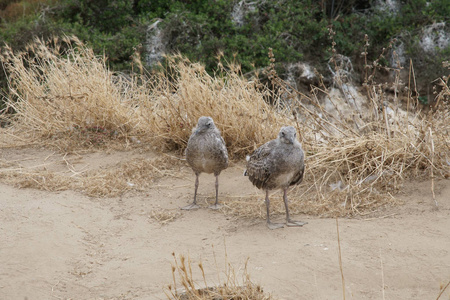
[202, 30]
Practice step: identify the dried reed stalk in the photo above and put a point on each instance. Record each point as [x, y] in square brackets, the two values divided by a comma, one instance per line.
[340, 259]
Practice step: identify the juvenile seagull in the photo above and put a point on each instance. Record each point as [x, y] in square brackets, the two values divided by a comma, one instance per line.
[277, 164]
[206, 152]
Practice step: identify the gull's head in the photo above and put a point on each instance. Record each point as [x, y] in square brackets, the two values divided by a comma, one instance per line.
[204, 124]
[287, 135]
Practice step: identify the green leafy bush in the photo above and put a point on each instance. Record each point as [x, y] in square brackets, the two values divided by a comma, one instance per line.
[203, 30]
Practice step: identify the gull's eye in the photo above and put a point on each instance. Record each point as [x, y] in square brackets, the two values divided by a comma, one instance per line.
[282, 134]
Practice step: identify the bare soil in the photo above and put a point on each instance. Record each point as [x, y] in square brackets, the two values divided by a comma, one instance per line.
[66, 245]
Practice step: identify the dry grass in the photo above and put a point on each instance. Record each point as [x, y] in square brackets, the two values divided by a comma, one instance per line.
[230, 288]
[164, 216]
[60, 90]
[327, 204]
[359, 150]
[237, 106]
[132, 175]
[42, 180]
[136, 174]
[359, 154]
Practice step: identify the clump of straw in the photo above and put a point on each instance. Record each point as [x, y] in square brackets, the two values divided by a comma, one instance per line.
[230, 288]
[164, 216]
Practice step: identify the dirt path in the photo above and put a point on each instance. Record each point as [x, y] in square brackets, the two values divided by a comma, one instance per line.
[65, 245]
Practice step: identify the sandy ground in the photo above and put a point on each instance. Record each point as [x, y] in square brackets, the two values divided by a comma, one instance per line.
[65, 245]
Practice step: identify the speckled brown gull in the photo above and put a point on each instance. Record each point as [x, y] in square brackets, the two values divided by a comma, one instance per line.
[277, 164]
[206, 153]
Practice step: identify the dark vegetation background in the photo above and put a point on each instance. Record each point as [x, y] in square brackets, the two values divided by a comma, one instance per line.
[296, 30]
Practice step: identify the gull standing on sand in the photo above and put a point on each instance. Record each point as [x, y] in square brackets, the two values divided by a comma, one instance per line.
[206, 152]
[277, 164]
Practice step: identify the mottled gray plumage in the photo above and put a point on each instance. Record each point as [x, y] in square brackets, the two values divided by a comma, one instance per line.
[206, 152]
[277, 164]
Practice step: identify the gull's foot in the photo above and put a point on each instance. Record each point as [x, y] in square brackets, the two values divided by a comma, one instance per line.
[190, 206]
[273, 226]
[292, 223]
[215, 206]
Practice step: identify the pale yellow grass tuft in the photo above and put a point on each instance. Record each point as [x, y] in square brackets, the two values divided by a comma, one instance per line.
[231, 287]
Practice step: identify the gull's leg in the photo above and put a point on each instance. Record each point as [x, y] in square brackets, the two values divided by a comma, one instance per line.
[270, 224]
[289, 222]
[193, 205]
[216, 205]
